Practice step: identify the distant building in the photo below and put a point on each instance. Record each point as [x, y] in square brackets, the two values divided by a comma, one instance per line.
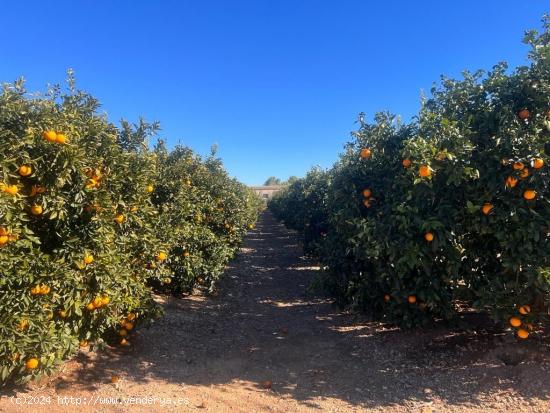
[266, 192]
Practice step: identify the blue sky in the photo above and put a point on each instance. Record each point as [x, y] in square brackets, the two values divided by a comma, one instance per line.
[277, 85]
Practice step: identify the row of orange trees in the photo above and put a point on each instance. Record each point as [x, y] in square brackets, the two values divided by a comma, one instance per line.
[451, 208]
[93, 221]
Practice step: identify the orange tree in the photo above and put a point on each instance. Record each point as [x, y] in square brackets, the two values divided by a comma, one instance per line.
[75, 228]
[302, 205]
[451, 206]
[91, 220]
[203, 213]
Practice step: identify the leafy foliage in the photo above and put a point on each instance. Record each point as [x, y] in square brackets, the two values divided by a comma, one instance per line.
[457, 206]
[91, 220]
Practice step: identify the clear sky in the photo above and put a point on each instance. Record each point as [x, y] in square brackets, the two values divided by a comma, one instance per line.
[276, 84]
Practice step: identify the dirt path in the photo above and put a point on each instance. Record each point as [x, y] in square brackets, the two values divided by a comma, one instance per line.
[215, 354]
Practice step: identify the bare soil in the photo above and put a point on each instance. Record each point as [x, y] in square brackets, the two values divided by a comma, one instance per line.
[263, 343]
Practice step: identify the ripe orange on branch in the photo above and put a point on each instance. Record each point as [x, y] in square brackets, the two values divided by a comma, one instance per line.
[524, 114]
[425, 171]
[25, 170]
[61, 138]
[518, 166]
[11, 189]
[511, 181]
[36, 210]
[49, 135]
[522, 333]
[365, 153]
[487, 208]
[32, 364]
[161, 256]
[538, 163]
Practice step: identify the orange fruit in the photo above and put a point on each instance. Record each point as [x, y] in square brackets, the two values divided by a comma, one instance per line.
[150, 188]
[4, 231]
[88, 259]
[24, 170]
[161, 256]
[511, 181]
[365, 153]
[83, 343]
[515, 322]
[60, 138]
[524, 309]
[486, 208]
[524, 173]
[44, 289]
[35, 290]
[11, 189]
[119, 218]
[124, 342]
[387, 297]
[522, 333]
[406, 163]
[90, 306]
[131, 316]
[524, 114]
[122, 332]
[97, 302]
[367, 193]
[529, 194]
[32, 363]
[91, 183]
[105, 300]
[186, 253]
[518, 166]
[425, 171]
[128, 326]
[428, 236]
[4, 240]
[49, 135]
[36, 210]
[411, 299]
[538, 163]
[62, 313]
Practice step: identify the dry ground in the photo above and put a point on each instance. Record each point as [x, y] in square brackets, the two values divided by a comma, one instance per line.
[215, 354]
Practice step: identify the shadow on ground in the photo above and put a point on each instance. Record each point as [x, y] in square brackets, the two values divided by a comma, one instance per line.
[263, 325]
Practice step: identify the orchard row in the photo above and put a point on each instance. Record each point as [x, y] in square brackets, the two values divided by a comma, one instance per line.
[93, 222]
[450, 210]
